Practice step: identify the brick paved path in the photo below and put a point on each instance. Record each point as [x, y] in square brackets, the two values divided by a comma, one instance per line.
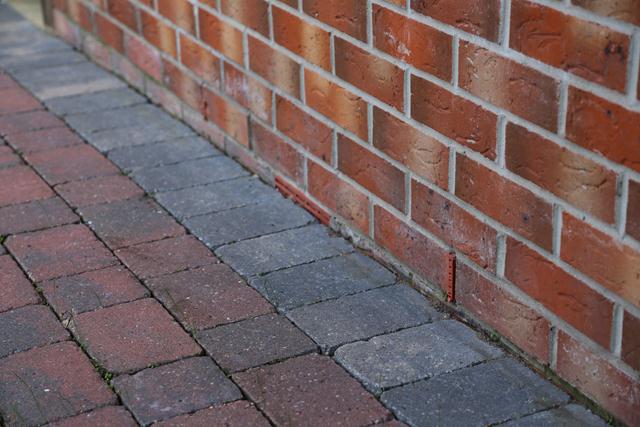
[242, 311]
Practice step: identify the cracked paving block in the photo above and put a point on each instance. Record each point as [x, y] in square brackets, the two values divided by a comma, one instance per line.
[281, 250]
[508, 390]
[414, 354]
[178, 388]
[28, 327]
[35, 215]
[322, 280]
[566, 416]
[364, 315]
[15, 289]
[44, 139]
[96, 101]
[101, 417]
[95, 191]
[235, 414]
[25, 186]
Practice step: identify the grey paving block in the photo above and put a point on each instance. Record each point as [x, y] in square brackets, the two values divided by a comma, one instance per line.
[364, 315]
[414, 354]
[140, 116]
[285, 249]
[143, 133]
[480, 395]
[188, 174]
[7, 14]
[254, 342]
[322, 280]
[216, 197]
[21, 38]
[229, 226]
[95, 101]
[41, 60]
[566, 416]
[163, 153]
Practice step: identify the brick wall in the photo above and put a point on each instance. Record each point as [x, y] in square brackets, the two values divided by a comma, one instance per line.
[505, 130]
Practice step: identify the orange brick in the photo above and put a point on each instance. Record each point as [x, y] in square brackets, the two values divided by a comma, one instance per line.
[304, 129]
[274, 66]
[180, 12]
[479, 17]
[252, 13]
[221, 36]
[631, 340]
[227, 116]
[109, 32]
[199, 60]
[123, 11]
[158, 33]
[348, 16]
[143, 56]
[182, 85]
[275, 151]
[624, 10]
[248, 92]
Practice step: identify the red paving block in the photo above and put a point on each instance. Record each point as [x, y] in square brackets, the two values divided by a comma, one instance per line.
[25, 186]
[45, 139]
[235, 414]
[71, 164]
[25, 122]
[92, 290]
[130, 222]
[17, 100]
[35, 215]
[208, 296]
[103, 417]
[58, 252]
[8, 158]
[15, 289]
[165, 256]
[310, 390]
[28, 327]
[132, 336]
[6, 81]
[49, 383]
[99, 190]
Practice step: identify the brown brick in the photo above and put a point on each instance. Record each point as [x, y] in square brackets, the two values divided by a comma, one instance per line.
[26, 122]
[35, 215]
[100, 190]
[114, 415]
[282, 156]
[602, 257]
[252, 13]
[302, 38]
[456, 118]
[348, 16]
[221, 36]
[17, 100]
[25, 186]
[226, 116]
[158, 33]
[16, 289]
[479, 17]
[109, 33]
[304, 129]
[248, 92]
[240, 413]
[274, 66]
[570, 176]
[199, 60]
[454, 225]
[29, 327]
[581, 47]
[633, 210]
[505, 201]
[180, 12]
[46, 139]
[631, 340]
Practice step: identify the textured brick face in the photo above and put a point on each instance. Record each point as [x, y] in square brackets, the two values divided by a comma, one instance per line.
[479, 17]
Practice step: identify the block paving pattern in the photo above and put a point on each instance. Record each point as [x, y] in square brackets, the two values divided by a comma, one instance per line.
[249, 313]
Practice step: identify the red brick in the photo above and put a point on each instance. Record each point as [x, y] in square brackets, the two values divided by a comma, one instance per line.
[252, 13]
[274, 66]
[633, 210]
[338, 104]
[182, 85]
[8, 157]
[109, 32]
[158, 33]
[339, 196]
[129, 337]
[240, 413]
[60, 251]
[221, 36]
[598, 379]
[45, 139]
[417, 44]
[304, 129]
[25, 122]
[199, 60]
[302, 38]
[143, 56]
[29, 327]
[502, 311]
[624, 10]
[602, 257]
[631, 340]
[505, 201]
[580, 47]
[35, 215]
[282, 156]
[180, 12]
[595, 123]
[191, 296]
[509, 85]
[102, 417]
[454, 117]
[570, 176]
[16, 289]
[348, 16]
[17, 100]
[417, 251]
[73, 295]
[454, 225]
[372, 172]
[99, 190]
[25, 186]
[248, 92]
[298, 391]
[424, 155]
[82, 15]
[479, 17]
[227, 116]
[123, 11]
[57, 381]
[165, 256]
[71, 164]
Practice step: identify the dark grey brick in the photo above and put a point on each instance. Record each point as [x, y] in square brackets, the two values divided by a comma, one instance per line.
[364, 315]
[480, 395]
[220, 228]
[140, 116]
[162, 153]
[253, 342]
[414, 354]
[42, 60]
[566, 416]
[177, 388]
[92, 102]
[28, 327]
[188, 174]
[216, 197]
[322, 280]
[285, 249]
[156, 131]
